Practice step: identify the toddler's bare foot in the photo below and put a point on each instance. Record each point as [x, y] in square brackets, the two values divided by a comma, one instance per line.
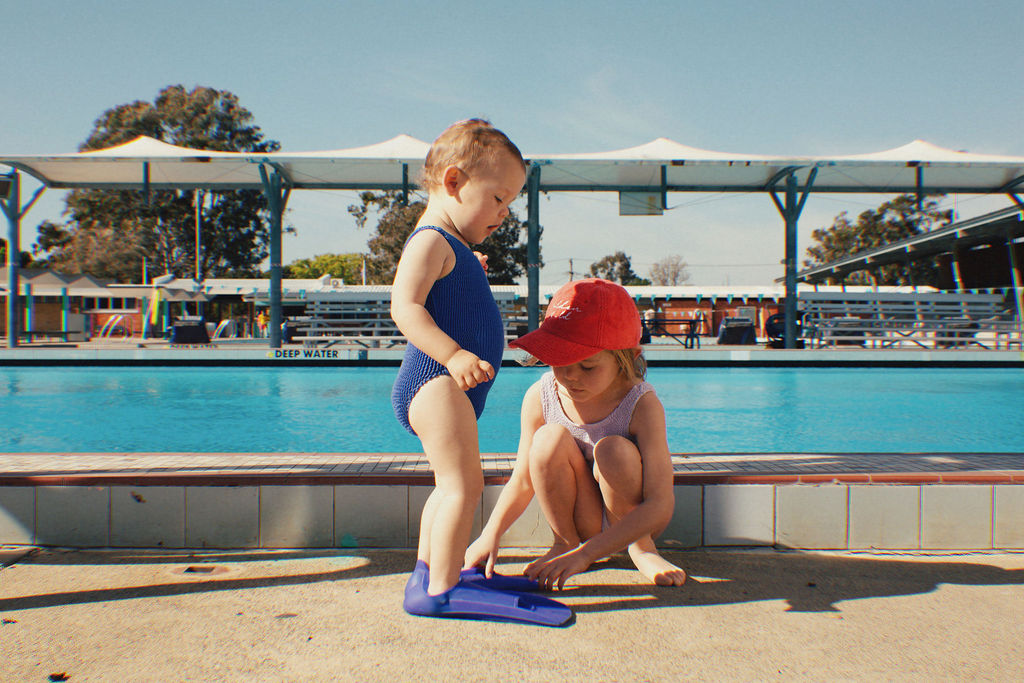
[556, 550]
[656, 568]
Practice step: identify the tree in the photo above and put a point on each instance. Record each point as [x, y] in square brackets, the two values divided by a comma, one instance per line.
[110, 232]
[618, 268]
[893, 220]
[24, 262]
[670, 270]
[347, 267]
[505, 248]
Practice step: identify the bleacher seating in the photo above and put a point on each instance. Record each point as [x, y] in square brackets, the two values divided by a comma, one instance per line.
[925, 319]
[366, 321]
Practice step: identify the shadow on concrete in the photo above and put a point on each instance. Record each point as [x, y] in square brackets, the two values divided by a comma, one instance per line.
[806, 582]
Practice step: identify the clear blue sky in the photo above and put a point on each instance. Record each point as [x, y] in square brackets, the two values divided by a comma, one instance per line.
[797, 77]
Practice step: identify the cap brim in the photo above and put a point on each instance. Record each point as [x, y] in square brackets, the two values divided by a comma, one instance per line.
[551, 349]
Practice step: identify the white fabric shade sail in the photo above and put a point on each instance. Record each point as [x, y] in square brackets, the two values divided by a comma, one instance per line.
[661, 164]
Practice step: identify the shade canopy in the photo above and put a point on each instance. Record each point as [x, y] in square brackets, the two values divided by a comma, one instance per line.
[661, 164]
[998, 227]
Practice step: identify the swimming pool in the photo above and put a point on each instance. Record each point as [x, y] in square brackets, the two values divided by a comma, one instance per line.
[123, 409]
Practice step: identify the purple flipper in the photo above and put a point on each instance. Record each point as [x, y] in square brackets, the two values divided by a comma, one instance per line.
[519, 584]
[471, 600]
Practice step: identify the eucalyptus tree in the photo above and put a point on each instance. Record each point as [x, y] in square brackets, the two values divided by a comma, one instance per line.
[892, 221]
[111, 233]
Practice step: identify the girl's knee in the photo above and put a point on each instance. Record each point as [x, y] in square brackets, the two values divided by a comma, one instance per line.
[616, 450]
[550, 442]
[615, 457]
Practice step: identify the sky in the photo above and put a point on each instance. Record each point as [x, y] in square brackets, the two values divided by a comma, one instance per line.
[801, 77]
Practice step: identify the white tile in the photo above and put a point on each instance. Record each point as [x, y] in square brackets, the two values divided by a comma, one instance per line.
[147, 516]
[739, 514]
[222, 516]
[1009, 516]
[17, 514]
[811, 516]
[531, 530]
[956, 517]
[296, 516]
[371, 516]
[74, 516]
[885, 517]
[684, 531]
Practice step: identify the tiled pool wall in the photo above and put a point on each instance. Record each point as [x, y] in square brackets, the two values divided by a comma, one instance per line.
[981, 516]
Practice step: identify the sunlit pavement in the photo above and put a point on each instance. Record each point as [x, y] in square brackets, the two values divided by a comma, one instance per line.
[336, 615]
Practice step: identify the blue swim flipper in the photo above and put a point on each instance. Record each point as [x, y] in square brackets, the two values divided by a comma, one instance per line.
[500, 582]
[471, 600]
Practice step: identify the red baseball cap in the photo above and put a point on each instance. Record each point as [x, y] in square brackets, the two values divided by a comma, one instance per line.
[584, 317]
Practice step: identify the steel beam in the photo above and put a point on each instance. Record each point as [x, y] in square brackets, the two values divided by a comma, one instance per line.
[11, 205]
[276, 191]
[533, 248]
[790, 210]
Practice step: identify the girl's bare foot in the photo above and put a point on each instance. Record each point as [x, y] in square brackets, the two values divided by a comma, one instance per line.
[656, 568]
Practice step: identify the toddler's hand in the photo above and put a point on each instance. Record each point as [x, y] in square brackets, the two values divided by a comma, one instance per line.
[468, 370]
[482, 258]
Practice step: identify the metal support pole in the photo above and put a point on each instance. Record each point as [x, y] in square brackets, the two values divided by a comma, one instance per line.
[199, 235]
[30, 311]
[791, 211]
[533, 248]
[199, 246]
[65, 311]
[1018, 288]
[958, 276]
[272, 189]
[791, 293]
[12, 208]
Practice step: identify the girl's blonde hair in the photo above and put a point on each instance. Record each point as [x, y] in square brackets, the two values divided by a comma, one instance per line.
[470, 145]
[631, 364]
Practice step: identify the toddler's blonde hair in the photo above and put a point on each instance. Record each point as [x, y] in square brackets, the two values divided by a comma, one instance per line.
[468, 144]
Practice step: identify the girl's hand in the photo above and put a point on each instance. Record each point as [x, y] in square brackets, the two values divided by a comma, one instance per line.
[482, 552]
[468, 370]
[556, 571]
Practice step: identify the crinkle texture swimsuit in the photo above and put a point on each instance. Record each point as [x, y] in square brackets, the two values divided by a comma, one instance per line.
[587, 435]
[462, 305]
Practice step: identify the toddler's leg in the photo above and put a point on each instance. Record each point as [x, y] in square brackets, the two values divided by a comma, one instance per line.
[619, 473]
[565, 490]
[444, 419]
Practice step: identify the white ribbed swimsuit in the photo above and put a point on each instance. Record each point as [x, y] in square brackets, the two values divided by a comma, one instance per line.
[587, 435]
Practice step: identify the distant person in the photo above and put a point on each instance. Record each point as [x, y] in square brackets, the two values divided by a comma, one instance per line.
[442, 303]
[261, 323]
[593, 447]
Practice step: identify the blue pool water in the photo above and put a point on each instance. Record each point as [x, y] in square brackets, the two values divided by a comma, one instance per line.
[333, 409]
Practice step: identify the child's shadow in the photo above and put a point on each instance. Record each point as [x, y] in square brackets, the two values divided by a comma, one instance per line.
[807, 582]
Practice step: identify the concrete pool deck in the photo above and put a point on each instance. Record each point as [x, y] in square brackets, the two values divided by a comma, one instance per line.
[336, 615]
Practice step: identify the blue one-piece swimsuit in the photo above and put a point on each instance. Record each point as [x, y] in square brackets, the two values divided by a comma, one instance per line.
[463, 307]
